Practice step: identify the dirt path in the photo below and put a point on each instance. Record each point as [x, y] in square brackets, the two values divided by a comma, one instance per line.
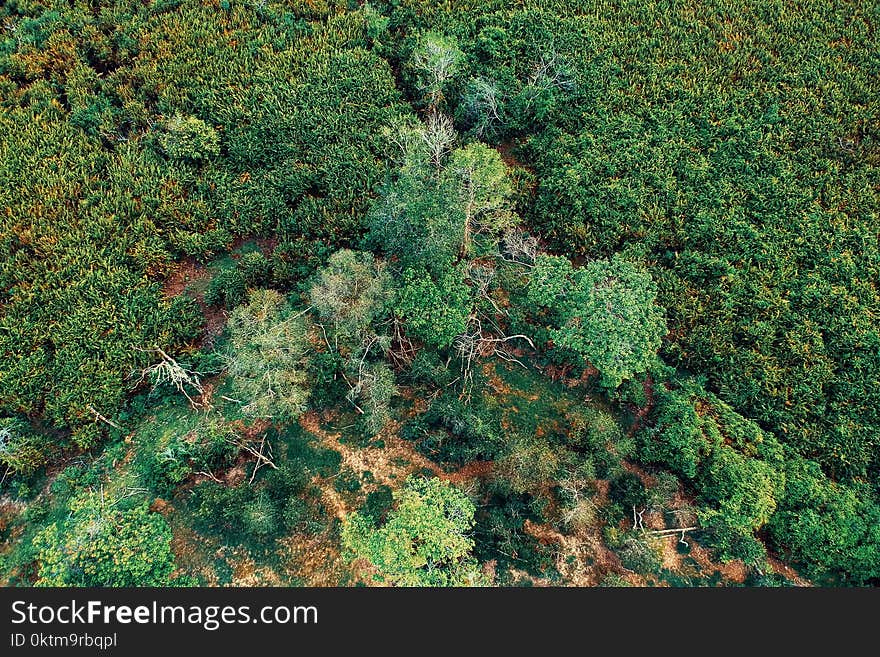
[582, 559]
[389, 465]
[788, 572]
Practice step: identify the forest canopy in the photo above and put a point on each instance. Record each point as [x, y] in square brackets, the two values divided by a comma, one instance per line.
[469, 293]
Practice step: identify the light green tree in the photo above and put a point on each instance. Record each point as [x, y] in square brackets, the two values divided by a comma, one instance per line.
[424, 541]
[351, 293]
[268, 357]
[413, 220]
[437, 211]
[100, 545]
[478, 177]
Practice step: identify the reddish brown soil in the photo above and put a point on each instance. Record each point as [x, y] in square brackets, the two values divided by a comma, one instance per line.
[505, 149]
[183, 275]
[473, 470]
[732, 571]
[645, 478]
[267, 245]
[788, 572]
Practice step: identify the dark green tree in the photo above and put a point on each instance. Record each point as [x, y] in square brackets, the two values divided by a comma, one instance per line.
[435, 310]
[605, 312]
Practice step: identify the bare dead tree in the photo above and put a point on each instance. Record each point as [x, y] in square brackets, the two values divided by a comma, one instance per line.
[169, 371]
[402, 351]
[638, 518]
[128, 491]
[400, 141]
[262, 459]
[519, 248]
[684, 515]
[262, 452]
[437, 61]
[209, 475]
[582, 510]
[474, 343]
[550, 71]
[483, 106]
[438, 137]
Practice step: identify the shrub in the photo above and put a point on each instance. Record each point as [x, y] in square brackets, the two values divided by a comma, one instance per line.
[189, 138]
[100, 546]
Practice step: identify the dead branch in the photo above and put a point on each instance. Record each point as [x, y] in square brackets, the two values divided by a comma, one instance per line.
[168, 370]
[668, 532]
[209, 475]
[261, 459]
[130, 491]
[102, 418]
[638, 518]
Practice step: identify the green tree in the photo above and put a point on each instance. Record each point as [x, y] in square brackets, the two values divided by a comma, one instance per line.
[676, 439]
[605, 312]
[414, 221]
[735, 466]
[268, 356]
[98, 545]
[435, 310]
[352, 293]
[425, 540]
[479, 179]
[742, 493]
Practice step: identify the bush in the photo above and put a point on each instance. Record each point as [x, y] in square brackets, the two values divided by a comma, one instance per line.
[641, 553]
[456, 433]
[189, 138]
[627, 490]
[166, 468]
[99, 546]
[424, 541]
[21, 450]
[831, 528]
[500, 536]
[377, 504]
